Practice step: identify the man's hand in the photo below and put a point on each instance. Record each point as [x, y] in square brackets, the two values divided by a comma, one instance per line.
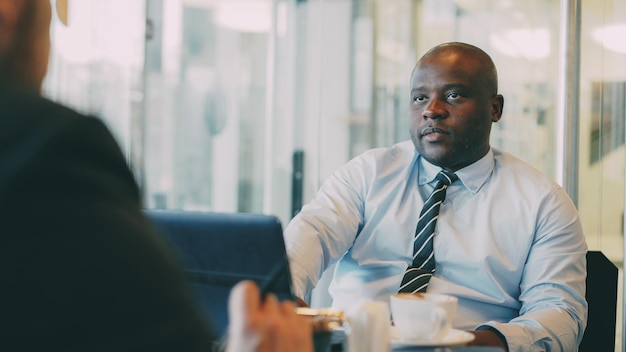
[488, 337]
[301, 303]
[265, 326]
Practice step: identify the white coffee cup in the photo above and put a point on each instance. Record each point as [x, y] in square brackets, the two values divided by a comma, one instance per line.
[422, 317]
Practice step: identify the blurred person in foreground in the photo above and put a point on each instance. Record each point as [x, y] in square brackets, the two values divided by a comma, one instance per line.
[81, 268]
[508, 240]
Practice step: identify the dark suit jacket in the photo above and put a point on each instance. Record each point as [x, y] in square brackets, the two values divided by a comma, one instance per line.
[80, 268]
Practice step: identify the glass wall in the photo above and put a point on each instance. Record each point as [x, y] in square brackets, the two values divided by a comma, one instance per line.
[602, 113]
[96, 63]
[602, 128]
[248, 105]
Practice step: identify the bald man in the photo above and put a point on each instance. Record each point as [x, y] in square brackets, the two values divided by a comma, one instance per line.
[81, 268]
[507, 242]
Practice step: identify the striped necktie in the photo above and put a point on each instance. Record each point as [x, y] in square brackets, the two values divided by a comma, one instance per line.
[419, 273]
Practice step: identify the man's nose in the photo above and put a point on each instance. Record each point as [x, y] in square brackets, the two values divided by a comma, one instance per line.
[434, 110]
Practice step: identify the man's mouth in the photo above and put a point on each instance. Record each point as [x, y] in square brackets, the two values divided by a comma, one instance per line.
[433, 131]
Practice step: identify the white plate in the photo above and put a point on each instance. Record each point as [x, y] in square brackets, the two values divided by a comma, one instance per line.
[453, 338]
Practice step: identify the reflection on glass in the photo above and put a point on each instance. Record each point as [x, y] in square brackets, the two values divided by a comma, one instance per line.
[204, 112]
[607, 119]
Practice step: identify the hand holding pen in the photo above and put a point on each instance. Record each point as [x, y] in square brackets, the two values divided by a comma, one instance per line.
[258, 324]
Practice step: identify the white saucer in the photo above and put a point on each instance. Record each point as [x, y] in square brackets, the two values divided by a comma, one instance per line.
[453, 338]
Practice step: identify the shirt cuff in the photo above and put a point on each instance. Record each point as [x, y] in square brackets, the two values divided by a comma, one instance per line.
[490, 327]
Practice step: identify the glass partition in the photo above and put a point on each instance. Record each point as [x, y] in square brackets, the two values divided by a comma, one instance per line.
[602, 100]
[205, 104]
[602, 116]
[96, 63]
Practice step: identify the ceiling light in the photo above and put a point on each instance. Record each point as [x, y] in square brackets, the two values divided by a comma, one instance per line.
[532, 44]
[611, 37]
[244, 16]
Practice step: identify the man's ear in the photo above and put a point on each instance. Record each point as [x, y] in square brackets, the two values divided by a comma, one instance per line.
[497, 104]
[9, 15]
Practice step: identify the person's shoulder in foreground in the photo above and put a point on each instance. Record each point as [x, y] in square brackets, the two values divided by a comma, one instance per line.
[82, 268]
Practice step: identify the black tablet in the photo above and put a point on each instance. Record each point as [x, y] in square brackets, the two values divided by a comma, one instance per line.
[217, 250]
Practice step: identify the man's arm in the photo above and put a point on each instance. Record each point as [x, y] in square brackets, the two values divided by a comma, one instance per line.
[323, 231]
[552, 291]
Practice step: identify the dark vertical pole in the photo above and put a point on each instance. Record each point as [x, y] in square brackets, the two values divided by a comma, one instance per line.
[297, 181]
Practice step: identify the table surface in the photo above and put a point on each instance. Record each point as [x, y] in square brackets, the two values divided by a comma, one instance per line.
[337, 345]
[339, 348]
[449, 349]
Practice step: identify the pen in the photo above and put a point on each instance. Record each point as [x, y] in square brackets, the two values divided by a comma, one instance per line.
[273, 277]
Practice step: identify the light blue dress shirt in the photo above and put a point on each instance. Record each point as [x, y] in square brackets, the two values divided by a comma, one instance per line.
[508, 243]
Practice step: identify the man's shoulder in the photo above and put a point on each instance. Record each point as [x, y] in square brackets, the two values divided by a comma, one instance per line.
[371, 163]
[515, 167]
[400, 150]
[506, 159]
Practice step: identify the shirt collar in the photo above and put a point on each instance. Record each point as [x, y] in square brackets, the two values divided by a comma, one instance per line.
[472, 176]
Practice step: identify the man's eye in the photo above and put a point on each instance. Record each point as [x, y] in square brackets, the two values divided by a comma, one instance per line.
[418, 98]
[453, 96]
